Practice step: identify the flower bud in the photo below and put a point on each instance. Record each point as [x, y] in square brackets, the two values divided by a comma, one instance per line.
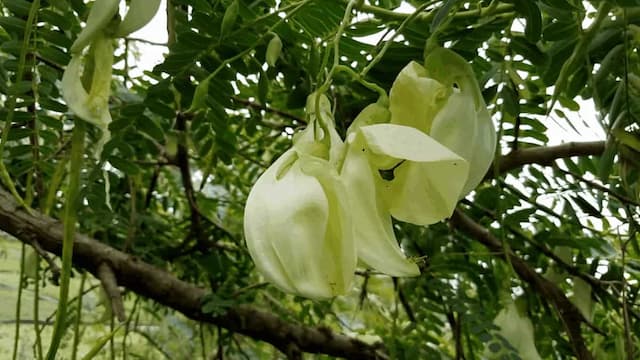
[274, 48]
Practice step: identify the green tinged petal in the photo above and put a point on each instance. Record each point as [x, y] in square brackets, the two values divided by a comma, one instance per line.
[373, 230]
[93, 105]
[468, 133]
[449, 68]
[101, 13]
[98, 101]
[427, 178]
[139, 14]
[414, 98]
[296, 230]
[463, 124]
[314, 135]
[339, 246]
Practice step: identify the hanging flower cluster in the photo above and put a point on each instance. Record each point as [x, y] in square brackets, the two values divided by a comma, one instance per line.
[326, 203]
[86, 82]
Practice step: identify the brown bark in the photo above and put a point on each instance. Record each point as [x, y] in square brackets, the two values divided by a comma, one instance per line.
[156, 284]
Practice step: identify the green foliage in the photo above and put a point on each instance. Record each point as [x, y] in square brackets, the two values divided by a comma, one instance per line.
[190, 137]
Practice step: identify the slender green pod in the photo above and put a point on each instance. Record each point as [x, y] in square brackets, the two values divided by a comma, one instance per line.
[69, 221]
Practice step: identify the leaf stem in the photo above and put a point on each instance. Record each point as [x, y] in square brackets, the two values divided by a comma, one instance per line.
[398, 31]
[194, 106]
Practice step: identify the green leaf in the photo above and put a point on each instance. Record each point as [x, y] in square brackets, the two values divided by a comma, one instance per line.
[528, 50]
[511, 102]
[200, 95]
[586, 207]
[605, 163]
[230, 17]
[124, 165]
[442, 14]
[263, 87]
[20, 88]
[273, 50]
[529, 9]
[13, 24]
[18, 7]
[320, 20]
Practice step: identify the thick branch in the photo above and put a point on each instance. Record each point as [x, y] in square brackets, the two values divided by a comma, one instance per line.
[545, 155]
[568, 312]
[156, 284]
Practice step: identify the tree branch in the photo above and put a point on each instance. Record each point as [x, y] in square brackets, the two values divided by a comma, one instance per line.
[544, 155]
[567, 311]
[163, 287]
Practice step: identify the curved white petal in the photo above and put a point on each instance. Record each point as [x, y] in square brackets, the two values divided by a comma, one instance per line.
[140, 12]
[73, 92]
[464, 123]
[339, 245]
[98, 100]
[428, 177]
[91, 106]
[293, 237]
[485, 145]
[99, 17]
[373, 232]
[470, 134]
[414, 98]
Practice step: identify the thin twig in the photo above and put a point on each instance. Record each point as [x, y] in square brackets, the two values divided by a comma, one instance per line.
[264, 107]
[110, 285]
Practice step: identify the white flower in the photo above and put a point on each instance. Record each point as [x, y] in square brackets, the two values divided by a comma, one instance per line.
[86, 82]
[425, 180]
[296, 222]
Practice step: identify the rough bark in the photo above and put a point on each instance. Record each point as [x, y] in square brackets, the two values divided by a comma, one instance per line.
[156, 284]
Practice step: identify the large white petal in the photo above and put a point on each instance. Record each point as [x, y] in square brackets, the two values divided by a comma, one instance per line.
[73, 92]
[376, 243]
[289, 235]
[91, 106]
[428, 178]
